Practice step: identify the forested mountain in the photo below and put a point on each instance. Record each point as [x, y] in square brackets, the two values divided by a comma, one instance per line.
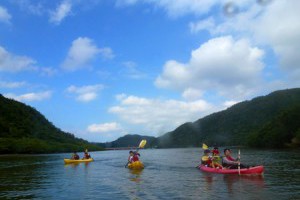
[267, 121]
[271, 121]
[24, 130]
[130, 141]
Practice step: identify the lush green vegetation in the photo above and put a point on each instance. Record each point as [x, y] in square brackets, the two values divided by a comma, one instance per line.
[283, 130]
[24, 130]
[268, 121]
[130, 141]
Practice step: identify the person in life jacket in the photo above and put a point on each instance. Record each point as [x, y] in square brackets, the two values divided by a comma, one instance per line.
[206, 159]
[133, 156]
[216, 158]
[231, 163]
[75, 156]
[86, 155]
[215, 152]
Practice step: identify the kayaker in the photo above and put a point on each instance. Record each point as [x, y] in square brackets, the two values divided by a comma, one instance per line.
[216, 158]
[206, 159]
[130, 157]
[136, 156]
[133, 156]
[86, 155]
[75, 156]
[229, 162]
[216, 152]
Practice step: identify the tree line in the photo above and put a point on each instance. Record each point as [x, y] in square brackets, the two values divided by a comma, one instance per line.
[24, 130]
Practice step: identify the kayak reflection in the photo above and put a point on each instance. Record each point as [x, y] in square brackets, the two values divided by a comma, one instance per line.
[135, 175]
[254, 182]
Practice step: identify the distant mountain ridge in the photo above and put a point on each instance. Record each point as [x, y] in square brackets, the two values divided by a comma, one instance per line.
[268, 121]
[236, 125]
[130, 140]
[24, 130]
[251, 123]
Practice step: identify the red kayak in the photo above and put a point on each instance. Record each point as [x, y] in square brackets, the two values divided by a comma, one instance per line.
[257, 170]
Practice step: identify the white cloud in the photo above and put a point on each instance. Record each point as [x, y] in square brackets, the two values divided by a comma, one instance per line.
[228, 104]
[48, 71]
[206, 24]
[125, 2]
[85, 93]
[32, 7]
[230, 68]
[268, 23]
[103, 128]
[5, 84]
[38, 96]
[159, 115]
[82, 52]
[176, 8]
[279, 26]
[15, 63]
[61, 12]
[4, 15]
[106, 53]
[191, 94]
[130, 70]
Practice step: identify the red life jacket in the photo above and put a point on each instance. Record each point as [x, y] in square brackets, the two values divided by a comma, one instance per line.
[215, 152]
[135, 158]
[230, 158]
[209, 161]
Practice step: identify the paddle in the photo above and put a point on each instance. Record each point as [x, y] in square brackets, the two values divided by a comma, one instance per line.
[141, 145]
[239, 163]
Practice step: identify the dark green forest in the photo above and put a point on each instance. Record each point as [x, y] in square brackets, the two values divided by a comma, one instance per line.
[130, 141]
[271, 121]
[24, 130]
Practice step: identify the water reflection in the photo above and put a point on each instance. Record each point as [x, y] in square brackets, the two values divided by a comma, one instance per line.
[166, 177]
[250, 182]
[209, 181]
[25, 173]
[135, 189]
[74, 165]
[222, 186]
[135, 175]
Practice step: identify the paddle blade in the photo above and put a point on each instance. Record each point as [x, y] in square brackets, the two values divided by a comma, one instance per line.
[142, 143]
[204, 146]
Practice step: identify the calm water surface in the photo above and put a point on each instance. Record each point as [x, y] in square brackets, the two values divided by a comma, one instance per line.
[169, 174]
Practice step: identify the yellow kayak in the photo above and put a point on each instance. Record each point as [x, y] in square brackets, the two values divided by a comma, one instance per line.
[136, 165]
[69, 161]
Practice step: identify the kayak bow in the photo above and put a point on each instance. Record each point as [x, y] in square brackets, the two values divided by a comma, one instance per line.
[136, 165]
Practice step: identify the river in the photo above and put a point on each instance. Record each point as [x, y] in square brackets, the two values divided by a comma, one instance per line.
[168, 174]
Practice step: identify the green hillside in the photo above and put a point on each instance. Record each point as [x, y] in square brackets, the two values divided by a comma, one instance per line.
[130, 141]
[245, 123]
[24, 130]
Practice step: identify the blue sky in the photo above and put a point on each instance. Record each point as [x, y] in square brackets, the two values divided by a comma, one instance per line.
[101, 69]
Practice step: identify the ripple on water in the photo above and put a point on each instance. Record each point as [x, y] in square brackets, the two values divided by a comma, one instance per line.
[168, 174]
